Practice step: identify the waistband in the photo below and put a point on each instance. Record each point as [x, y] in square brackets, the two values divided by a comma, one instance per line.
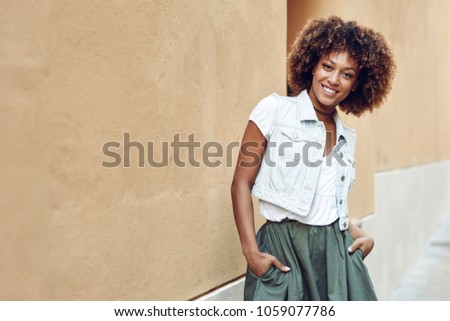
[284, 220]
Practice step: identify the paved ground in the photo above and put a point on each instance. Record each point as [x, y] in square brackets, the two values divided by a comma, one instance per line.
[429, 277]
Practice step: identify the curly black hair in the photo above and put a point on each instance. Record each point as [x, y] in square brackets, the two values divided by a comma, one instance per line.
[367, 47]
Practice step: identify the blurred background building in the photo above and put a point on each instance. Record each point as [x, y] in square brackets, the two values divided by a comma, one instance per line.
[78, 74]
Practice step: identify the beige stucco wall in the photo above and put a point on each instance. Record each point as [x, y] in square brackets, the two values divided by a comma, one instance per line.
[76, 74]
[412, 126]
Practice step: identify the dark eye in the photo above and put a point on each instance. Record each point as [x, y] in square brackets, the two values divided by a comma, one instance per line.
[348, 75]
[326, 66]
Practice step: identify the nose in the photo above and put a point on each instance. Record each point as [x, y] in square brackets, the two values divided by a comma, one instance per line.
[334, 79]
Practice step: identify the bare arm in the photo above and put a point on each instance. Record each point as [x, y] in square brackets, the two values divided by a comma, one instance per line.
[362, 240]
[249, 161]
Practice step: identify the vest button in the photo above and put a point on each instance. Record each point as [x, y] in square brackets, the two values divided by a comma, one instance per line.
[342, 178]
[340, 201]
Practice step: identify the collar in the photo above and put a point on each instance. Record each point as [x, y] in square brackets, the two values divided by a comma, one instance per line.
[305, 107]
[306, 112]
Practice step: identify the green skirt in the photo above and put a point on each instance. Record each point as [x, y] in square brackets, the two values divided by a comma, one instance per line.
[321, 266]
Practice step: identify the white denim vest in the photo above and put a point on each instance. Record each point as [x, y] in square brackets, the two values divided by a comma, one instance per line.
[290, 168]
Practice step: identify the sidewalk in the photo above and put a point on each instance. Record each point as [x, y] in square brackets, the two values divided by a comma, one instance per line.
[428, 279]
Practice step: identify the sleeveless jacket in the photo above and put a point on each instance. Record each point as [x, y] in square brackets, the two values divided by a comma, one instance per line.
[290, 168]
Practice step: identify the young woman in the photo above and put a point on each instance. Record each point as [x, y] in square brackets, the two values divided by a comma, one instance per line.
[297, 158]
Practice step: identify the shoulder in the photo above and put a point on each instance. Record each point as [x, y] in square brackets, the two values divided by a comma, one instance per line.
[269, 109]
[343, 129]
[265, 105]
[285, 100]
[349, 131]
[270, 101]
[278, 104]
[350, 136]
[276, 98]
[272, 105]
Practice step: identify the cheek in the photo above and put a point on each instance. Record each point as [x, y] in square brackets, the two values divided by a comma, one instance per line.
[319, 76]
[349, 85]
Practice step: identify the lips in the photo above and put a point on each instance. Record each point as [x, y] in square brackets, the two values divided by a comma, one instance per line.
[329, 90]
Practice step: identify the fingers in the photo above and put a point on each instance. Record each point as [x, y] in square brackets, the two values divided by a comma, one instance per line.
[355, 245]
[279, 265]
[364, 243]
[259, 264]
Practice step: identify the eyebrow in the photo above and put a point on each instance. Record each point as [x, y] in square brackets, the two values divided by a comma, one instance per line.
[346, 68]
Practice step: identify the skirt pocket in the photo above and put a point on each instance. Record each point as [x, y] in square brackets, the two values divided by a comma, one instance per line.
[266, 276]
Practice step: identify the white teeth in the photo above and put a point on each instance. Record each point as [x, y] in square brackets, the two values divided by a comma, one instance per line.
[329, 90]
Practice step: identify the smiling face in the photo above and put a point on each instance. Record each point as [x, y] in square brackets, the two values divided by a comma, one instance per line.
[334, 77]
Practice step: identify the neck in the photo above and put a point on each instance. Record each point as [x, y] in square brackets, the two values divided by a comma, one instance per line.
[328, 114]
[321, 112]
[325, 117]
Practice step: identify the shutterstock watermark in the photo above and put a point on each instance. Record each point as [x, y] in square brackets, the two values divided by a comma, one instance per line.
[214, 154]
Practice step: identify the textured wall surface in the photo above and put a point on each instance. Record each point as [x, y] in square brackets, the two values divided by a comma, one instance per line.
[77, 74]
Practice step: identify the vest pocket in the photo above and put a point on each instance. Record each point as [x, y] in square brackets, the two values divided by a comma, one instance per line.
[287, 160]
[293, 144]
